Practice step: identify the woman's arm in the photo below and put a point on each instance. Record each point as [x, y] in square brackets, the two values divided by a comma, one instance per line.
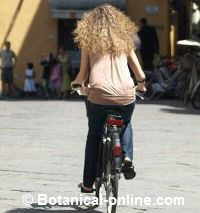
[135, 66]
[137, 70]
[82, 76]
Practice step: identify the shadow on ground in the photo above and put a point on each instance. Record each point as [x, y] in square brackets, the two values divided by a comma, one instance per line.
[71, 99]
[24, 210]
[172, 106]
[185, 111]
[49, 209]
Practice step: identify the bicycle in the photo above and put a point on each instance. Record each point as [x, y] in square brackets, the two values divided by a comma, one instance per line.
[110, 157]
[189, 66]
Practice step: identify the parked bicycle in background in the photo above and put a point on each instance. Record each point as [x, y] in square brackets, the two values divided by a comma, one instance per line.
[178, 77]
[189, 67]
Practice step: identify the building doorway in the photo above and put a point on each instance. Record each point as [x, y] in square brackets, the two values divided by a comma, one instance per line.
[66, 40]
[65, 33]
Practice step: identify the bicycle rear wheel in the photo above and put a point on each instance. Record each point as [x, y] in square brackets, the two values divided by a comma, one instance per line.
[111, 188]
[112, 177]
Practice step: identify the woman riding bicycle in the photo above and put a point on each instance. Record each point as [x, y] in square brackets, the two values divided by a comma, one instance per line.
[105, 36]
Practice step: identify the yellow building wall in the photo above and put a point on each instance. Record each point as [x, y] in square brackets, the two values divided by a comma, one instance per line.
[28, 25]
[137, 9]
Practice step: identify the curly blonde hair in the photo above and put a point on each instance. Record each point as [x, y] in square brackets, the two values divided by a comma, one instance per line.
[105, 29]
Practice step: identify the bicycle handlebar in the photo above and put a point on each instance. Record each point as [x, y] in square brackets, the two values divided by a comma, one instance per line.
[139, 93]
[76, 86]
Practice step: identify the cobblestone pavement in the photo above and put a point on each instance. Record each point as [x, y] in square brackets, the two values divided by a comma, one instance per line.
[42, 150]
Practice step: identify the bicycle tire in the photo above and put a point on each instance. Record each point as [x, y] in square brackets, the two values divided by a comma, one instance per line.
[196, 100]
[111, 188]
[107, 172]
[113, 178]
[115, 186]
[110, 192]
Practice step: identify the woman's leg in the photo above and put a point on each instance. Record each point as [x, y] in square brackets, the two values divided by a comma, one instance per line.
[127, 132]
[127, 141]
[96, 119]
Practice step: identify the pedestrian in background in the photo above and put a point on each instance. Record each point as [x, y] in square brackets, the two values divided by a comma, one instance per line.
[137, 44]
[8, 61]
[56, 78]
[149, 44]
[63, 59]
[29, 84]
[47, 63]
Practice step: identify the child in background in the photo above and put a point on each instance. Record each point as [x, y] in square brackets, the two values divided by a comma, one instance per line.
[29, 84]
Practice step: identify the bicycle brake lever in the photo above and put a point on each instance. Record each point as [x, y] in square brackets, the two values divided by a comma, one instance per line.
[140, 94]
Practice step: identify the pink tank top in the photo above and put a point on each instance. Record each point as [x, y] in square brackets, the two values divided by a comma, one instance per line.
[110, 80]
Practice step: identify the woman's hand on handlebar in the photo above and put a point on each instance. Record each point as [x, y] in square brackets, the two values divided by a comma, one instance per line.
[79, 88]
[75, 85]
[140, 90]
[141, 87]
